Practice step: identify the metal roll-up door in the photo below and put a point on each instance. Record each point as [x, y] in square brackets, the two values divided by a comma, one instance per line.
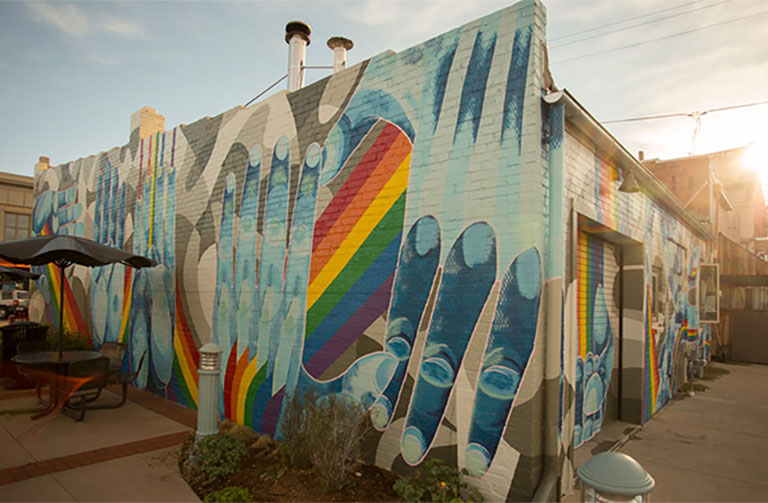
[597, 357]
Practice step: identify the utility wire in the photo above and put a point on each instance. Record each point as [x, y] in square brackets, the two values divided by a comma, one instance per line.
[645, 42]
[684, 114]
[626, 20]
[579, 40]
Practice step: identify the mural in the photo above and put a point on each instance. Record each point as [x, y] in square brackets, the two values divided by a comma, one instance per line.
[386, 234]
[594, 361]
[338, 238]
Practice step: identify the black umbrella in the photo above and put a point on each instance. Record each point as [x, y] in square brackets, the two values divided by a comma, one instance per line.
[63, 251]
[16, 273]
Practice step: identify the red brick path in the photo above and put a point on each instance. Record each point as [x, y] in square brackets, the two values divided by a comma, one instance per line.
[147, 400]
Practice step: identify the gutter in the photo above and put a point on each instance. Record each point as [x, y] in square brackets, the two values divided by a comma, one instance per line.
[618, 154]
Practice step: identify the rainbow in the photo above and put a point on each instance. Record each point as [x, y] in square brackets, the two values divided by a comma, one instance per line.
[651, 365]
[354, 249]
[589, 270]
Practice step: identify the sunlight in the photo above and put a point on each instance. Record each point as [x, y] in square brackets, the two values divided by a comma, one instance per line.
[756, 159]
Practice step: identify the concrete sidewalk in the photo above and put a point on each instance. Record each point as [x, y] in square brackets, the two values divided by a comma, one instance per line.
[124, 454]
[711, 446]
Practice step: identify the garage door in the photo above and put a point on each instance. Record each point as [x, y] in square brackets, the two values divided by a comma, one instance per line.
[598, 314]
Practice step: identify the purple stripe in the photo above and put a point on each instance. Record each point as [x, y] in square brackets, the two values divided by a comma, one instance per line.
[272, 412]
[363, 318]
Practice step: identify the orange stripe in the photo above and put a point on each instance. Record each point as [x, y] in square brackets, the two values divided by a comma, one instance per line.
[399, 150]
[242, 363]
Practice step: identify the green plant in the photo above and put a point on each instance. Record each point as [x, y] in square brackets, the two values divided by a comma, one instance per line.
[293, 430]
[326, 432]
[233, 494]
[214, 458]
[436, 481]
[70, 340]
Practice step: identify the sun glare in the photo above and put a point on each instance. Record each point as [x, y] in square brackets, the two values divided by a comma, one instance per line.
[756, 159]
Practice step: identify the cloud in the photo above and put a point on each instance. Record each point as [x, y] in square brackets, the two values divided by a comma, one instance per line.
[122, 27]
[74, 21]
[66, 17]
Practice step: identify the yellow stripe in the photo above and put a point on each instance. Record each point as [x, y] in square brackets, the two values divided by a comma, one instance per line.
[242, 393]
[362, 229]
[126, 311]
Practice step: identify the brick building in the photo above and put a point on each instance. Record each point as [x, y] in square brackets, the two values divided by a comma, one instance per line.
[439, 234]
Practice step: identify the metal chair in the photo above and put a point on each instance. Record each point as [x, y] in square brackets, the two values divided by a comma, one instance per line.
[123, 379]
[115, 351]
[85, 380]
[36, 375]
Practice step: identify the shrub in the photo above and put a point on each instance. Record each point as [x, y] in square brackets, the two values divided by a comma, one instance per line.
[233, 494]
[213, 458]
[326, 431]
[436, 481]
[70, 340]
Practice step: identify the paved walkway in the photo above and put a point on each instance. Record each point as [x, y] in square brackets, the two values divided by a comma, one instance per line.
[712, 446]
[125, 454]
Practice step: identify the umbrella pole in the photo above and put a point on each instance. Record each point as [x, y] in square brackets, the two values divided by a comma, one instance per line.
[61, 309]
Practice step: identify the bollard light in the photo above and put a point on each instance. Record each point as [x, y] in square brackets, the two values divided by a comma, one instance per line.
[208, 387]
[614, 476]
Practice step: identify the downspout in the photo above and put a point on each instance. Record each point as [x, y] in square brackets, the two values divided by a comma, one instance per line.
[549, 486]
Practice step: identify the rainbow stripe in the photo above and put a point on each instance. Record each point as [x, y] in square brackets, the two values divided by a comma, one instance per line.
[185, 360]
[355, 247]
[651, 363]
[589, 269]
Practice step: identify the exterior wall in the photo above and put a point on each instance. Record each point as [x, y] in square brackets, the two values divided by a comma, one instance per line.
[381, 234]
[16, 202]
[634, 222]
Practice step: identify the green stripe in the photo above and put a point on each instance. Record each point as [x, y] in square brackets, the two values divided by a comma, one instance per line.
[182, 383]
[253, 389]
[376, 242]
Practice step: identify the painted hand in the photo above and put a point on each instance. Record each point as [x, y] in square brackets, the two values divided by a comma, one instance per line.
[593, 374]
[107, 282]
[56, 212]
[153, 294]
[260, 306]
[469, 272]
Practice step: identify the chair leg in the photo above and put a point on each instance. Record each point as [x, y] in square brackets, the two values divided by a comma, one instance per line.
[75, 411]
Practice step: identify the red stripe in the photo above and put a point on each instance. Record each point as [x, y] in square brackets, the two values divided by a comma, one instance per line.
[228, 377]
[358, 177]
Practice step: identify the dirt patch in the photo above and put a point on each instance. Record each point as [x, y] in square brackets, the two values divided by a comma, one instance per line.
[268, 478]
[712, 373]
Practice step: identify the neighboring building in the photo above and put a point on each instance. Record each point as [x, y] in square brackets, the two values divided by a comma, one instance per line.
[16, 202]
[726, 194]
[438, 234]
[739, 211]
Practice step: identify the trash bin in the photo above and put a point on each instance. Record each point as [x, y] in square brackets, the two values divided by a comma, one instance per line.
[13, 334]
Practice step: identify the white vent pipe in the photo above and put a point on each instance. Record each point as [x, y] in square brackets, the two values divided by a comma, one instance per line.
[297, 36]
[340, 46]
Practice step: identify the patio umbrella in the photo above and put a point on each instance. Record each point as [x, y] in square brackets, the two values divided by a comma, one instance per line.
[15, 273]
[63, 251]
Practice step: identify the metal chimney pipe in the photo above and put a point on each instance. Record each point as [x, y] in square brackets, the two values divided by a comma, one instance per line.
[297, 36]
[340, 46]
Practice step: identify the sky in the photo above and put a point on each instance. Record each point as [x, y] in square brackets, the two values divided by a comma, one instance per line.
[71, 74]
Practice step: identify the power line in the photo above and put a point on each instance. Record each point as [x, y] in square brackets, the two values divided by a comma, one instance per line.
[688, 114]
[679, 34]
[626, 20]
[579, 40]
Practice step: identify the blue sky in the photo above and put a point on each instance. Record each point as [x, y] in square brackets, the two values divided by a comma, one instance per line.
[71, 74]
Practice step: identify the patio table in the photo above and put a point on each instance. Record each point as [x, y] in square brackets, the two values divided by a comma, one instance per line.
[57, 363]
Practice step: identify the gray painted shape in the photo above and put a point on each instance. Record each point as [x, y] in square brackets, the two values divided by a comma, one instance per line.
[201, 136]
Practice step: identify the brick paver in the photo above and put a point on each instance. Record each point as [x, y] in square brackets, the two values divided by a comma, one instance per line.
[145, 399]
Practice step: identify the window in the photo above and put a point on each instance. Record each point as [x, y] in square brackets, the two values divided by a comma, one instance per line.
[17, 226]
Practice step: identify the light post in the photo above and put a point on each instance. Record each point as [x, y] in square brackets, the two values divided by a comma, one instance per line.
[614, 476]
[208, 391]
